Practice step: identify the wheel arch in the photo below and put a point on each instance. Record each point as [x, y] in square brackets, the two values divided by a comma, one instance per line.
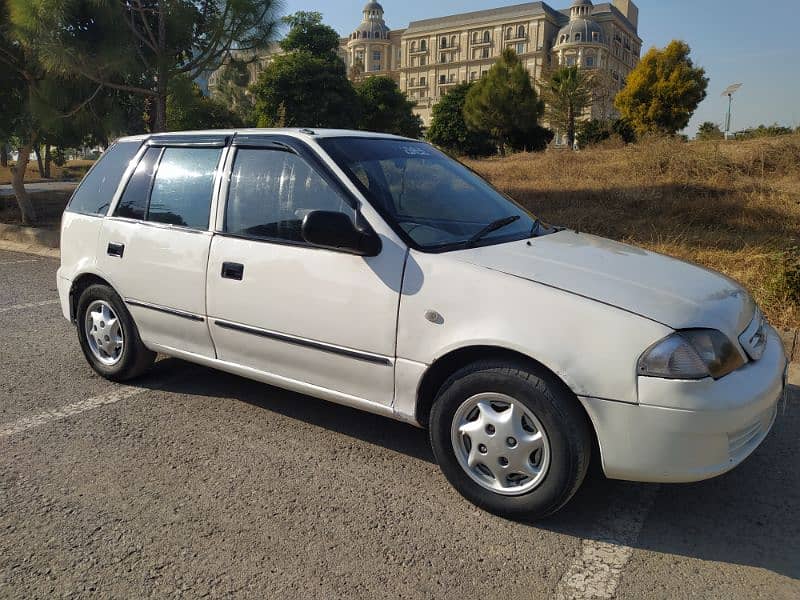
[443, 367]
[79, 284]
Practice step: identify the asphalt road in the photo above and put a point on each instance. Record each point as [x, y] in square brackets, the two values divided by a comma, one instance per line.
[192, 483]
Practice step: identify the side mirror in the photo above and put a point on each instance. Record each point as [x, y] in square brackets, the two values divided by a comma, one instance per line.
[336, 231]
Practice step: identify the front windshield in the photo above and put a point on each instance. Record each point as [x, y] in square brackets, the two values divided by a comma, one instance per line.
[436, 201]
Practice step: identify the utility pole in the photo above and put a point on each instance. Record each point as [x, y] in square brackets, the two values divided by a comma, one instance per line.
[729, 92]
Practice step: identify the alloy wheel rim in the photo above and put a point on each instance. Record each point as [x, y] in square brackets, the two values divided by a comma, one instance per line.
[500, 444]
[104, 333]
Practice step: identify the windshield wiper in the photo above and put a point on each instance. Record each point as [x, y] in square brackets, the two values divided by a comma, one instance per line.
[493, 226]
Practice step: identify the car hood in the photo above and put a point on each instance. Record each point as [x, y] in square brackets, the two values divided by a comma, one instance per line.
[670, 291]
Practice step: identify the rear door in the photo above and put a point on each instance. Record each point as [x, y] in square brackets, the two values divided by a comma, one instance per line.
[317, 317]
[154, 248]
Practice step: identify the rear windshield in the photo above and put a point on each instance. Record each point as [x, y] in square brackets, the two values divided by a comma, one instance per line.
[96, 191]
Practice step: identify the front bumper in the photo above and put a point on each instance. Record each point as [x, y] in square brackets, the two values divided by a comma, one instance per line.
[685, 431]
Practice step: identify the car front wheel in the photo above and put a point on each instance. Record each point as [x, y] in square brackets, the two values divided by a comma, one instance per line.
[510, 438]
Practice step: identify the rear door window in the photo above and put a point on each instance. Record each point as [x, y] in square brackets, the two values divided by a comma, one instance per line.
[96, 191]
[172, 186]
[183, 187]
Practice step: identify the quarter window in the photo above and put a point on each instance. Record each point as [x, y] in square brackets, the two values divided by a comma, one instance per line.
[95, 193]
[272, 191]
[183, 186]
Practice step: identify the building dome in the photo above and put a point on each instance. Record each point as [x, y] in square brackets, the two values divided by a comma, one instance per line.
[372, 26]
[580, 31]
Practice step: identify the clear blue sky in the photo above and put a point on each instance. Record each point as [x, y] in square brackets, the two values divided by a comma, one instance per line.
[754, 42]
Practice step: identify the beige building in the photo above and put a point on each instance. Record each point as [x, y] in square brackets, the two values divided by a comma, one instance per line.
[430, 56]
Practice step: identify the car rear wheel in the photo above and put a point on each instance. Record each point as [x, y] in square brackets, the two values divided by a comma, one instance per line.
[108, 336]
[510, 438]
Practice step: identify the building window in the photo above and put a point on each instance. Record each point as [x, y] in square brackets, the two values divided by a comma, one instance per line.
[590, 61]
[509, 33]
[485, 53]
[413, 46]
[376, 56]
[475, 38]
[473, 76]
[595, 36]
[570, 61]
[423, 60]
[453, 41]
[521, 31]
[487, 37]
[577, 37]
[423, 45]
[443, 58]
[411, 82]
[442, 79]
[443, 42]
[521, 48]
[451, 78]
[423, 81]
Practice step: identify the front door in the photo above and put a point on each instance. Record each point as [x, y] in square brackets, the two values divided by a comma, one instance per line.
[154, 248]
[306, 315]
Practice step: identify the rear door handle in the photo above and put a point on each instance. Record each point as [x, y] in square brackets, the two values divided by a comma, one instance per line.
[115, 249]
[231, 270]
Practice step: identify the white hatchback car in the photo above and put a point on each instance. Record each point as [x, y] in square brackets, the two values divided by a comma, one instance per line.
[376, 272]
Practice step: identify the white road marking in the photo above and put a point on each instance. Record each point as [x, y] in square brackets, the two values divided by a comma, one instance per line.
[29, 305]
[596, 572]
[70, 410]
[19, 262]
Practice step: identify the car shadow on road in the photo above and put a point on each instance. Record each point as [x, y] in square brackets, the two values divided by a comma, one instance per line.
[746, 517]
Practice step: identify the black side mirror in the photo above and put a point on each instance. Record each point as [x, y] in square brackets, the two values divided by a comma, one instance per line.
[335, 230]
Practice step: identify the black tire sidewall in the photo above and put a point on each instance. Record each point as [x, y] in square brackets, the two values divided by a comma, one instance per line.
[133, 349]
[564, 426]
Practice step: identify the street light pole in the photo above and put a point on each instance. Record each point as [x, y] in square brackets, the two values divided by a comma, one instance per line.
[729, 91]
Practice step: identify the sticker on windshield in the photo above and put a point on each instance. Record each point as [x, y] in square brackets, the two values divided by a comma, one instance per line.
[416, 150]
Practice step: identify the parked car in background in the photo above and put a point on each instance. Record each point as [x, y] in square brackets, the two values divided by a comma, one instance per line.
[376, 272]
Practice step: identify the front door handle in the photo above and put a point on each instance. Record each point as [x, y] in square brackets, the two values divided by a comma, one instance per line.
[231, 270]
[115, 249]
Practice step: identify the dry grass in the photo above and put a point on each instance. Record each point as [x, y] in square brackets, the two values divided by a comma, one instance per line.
[734, 207]
[74, 169]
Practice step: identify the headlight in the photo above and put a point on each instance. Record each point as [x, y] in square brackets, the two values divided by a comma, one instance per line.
[691, 354]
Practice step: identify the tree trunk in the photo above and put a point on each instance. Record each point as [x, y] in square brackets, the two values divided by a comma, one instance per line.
[160, 111]
[571, 128]
[47, 161]
[26, 207]
[39, 161]
[3, 154]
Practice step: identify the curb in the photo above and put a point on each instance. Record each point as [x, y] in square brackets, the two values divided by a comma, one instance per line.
[29, 248]
[31, 236]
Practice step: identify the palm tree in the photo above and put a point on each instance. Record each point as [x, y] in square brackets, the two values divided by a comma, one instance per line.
[567, 93]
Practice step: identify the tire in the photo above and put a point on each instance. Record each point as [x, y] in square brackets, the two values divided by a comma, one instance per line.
[131, 358]
[548, 411]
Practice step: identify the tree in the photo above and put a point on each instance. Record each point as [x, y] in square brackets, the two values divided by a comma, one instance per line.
[232, 88]
[567, 93]
[308, 33]
[140, 46]
[503, 102]
[384, 108]
[44, 107]
[596, 131]
[449, 130]
[307, 86]
[188, 108]
[663, 90]
[709, 131]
